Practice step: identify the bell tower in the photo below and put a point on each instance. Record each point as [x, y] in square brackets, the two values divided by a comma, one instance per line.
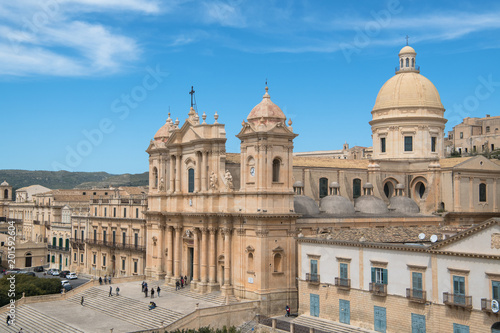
[266, 158]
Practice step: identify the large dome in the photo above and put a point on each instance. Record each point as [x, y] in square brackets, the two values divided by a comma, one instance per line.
[408, 89]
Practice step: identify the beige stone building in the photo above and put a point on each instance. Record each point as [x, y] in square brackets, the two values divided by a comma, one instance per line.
[111, 239]
[5, 199]
[403, 279]
[229, 221]
[346, 153]
[474, 136]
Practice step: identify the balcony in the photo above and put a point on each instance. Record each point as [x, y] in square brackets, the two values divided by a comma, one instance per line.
[461, 301]
[486, 306]
[378, 289]
[312, 278]
[343, 283]
[58, 248]
[416, 295]
[116, 245]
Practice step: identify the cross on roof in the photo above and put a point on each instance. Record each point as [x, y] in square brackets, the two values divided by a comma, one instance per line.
[192, 95]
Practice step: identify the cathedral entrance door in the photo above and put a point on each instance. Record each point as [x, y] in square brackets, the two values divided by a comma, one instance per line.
[190, 264]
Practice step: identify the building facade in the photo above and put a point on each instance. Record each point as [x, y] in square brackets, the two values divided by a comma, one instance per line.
[474, 136]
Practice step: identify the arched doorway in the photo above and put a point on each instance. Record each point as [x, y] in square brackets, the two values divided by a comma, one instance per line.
[221, 270]
[496, 327]
[113, 263]
[28, 260]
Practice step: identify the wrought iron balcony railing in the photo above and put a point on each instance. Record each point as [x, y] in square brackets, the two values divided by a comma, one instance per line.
[343, 283]
[312, 278]
[416, 295]
[378, 289]
[459, 300]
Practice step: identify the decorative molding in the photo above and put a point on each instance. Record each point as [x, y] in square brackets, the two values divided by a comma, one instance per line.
[241, 232]
[379, 263]
[343, 259]
[458, 271]
[313, 256]
[417, 267]
[249, 249]
[495, 241]
[278, 249]
[261, 232]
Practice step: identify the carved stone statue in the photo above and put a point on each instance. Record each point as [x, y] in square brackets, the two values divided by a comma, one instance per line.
[229, 179]
[162, 184]
[213, 181]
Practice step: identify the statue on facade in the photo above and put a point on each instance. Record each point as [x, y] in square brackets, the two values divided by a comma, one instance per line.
[229, 179]
[162, 185]
[213, 181]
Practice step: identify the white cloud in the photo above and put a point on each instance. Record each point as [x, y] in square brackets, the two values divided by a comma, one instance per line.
[45, 38]
[223, 13]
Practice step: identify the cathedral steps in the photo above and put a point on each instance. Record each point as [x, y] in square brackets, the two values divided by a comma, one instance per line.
[214, 297]
[328, 326]
[127, 309]
[33, 321]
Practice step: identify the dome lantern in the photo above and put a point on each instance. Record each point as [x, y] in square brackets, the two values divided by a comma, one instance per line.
[407, 62]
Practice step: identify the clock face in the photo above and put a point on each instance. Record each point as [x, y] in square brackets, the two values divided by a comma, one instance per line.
[252, 171]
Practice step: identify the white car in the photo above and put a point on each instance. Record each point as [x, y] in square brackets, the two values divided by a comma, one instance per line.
[63, 282]
[55, 272]
[71, 276]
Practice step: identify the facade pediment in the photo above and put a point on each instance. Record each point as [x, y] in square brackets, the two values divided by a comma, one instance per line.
[478, 164]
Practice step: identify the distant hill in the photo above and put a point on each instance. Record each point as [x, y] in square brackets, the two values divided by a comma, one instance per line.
[69, 180]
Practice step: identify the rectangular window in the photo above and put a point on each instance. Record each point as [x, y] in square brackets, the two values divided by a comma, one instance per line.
[114, 211]
[53, 259]
[124, 212]
[482, 192]
[124, 238]
[417, 284]
[382, 145]
[123, 264]
[459, 289]
[76, 233]
[191, 180]
[314, 270]
[492, 147]
[457, 328]
[474, 149]
[136, 239]
[417, 323]
[105, 211]
[495, 290]
[74, 256]
[408, 143]
[137, 213]
[433, 144]
[104, 236]
[104, 260]
[95, 235]
[94, 259]
[135, 266]
[343, 271]
[95, 211]
[380, 319]
[81, 258]
[379, 275]
[461, 135]
[114, 237]
[83, 234]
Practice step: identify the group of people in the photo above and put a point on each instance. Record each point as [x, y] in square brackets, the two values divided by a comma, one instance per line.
[145, 290]
[181, 282]
[117, 289]
[106, 279]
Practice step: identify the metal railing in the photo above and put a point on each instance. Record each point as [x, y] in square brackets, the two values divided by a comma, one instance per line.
[58, 248]
[343, 283]
[416, 295]
[312, 278]
[486, 305]
[378, 289]
[457, 300]
[116, 245]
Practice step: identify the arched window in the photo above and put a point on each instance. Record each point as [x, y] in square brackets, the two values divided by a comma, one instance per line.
[389, 189]
[250, 262]
[67, 244]
[60, 242]
[28, 260]
[413, 62]
[401, 63]
[420, 189]
[54, 241]
[191, 180]
[155, 177]
[276, 170]
[277, 262]
[407, 62]
[6, 194]
[323, 187]
[482, 192]
[356, 188]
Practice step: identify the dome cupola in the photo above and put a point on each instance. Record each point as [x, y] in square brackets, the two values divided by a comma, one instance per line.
[266, 112]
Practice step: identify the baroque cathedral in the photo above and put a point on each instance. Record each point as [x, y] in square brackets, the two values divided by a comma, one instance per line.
[230, 221]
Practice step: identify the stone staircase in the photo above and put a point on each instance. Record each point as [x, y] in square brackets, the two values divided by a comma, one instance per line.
[328, 326]
[127, 309]
[214, 297]
[248, 327]
[32, 321]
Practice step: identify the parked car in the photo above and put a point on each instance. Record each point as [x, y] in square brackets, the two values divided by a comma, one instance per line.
[26, 273]
[71, 276]
[67, 287]
[63, 274]
[38, 269]
[50, 271]
[63, 282]
[13, 271]
[55, 272]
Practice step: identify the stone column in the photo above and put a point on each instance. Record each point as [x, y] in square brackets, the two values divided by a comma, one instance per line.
[178, 251]
[170, 252]
[203, 171]
[211, 256]
[204, 255]
[178, 173]
[197, 175]
[227, 256]
[196, 256]
[172, 174]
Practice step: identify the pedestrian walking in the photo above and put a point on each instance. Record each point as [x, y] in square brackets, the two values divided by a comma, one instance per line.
[110, 291]
[146, 292]
[117, 291]
[182, 282]
[8, 320]
[142, 286]
[287, 311]
[100, 280]
[105, 279]
[81, 301]
[177, 285]
[158, 291]
[109, 279]
[21, 331]
[185, 280]
[152, 292]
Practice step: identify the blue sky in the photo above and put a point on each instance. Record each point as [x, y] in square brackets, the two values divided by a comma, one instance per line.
[85, 84]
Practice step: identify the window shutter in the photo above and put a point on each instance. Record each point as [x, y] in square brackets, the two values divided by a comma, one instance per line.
[373, 274]
[384, 276]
